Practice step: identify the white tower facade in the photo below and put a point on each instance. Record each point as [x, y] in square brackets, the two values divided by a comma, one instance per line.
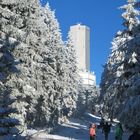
[80, 34]
[81, 38]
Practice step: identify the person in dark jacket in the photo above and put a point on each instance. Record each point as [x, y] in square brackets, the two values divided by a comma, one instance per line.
[101, 123]
[106, 130]
[134, 136]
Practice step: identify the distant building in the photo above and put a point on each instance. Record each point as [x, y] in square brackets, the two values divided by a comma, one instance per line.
[88, 78]
[80, 35]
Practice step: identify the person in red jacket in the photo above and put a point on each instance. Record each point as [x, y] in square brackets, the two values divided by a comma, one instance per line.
[92, 132]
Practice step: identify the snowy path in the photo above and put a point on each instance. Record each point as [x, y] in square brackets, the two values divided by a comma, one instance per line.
[75, 130]
[78, 130]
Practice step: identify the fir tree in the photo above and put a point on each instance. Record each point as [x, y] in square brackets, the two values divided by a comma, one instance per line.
[52, 58]
[71, 78]
[18, 19]
[120, 80]
[8, 123]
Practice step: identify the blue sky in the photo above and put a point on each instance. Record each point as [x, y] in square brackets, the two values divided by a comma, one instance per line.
[102, 17]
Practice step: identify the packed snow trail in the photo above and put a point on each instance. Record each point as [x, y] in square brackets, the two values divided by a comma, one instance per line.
[77, 129]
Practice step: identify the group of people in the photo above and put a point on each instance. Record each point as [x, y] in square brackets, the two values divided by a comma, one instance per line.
[105, 129]
[105, 126]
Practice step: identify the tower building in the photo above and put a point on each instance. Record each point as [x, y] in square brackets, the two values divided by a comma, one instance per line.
[81, 38]
[80, 34]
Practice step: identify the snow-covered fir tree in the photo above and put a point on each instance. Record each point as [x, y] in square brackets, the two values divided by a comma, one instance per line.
[19, 18]
[45, 82]
[71, 78]
[53, 59]
[87, 99]
[8, 123]
[120, 86]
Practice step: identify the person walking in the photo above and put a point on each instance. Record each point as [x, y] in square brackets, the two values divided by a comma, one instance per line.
[118, 132]
[135, 135]
[92, 131]
[101, 123]
[106, 130]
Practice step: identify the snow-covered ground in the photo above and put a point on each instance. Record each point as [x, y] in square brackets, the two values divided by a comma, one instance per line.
[75, 129]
